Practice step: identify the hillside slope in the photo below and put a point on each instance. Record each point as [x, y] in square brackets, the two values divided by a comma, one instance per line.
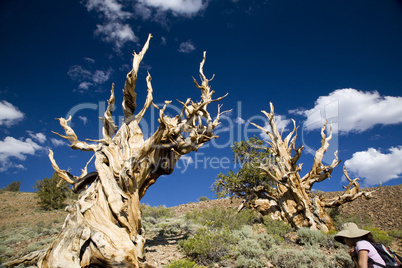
[24, 227]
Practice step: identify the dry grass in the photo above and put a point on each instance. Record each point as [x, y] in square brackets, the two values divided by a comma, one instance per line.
[25, 227]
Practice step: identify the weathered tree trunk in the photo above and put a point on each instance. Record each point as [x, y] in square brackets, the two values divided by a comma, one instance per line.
[103, 228]
[292, 200]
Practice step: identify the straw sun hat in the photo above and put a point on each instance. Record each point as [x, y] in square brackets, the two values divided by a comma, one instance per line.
[350, 230]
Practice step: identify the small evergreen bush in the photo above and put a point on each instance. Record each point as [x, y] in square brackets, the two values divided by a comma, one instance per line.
[395, 233]
[13, 187]
[156, 212]
[252, 247]
[218, 218]
[277, 228]
[380, 236]
[342, 259]
[203, 198]
[52, 192]
[310, 237]
[209, 246]
[293, 258]
[184, 263]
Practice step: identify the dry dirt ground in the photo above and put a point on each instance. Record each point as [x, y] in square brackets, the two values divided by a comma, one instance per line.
[20, 210]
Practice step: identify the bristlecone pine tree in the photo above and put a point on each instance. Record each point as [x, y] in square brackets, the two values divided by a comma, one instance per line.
[103, 228]
[291, 200]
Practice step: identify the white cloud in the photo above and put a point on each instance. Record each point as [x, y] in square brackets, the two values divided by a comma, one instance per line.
[89, 60]
[78, 73]
[100, 77]
[142, 11]
[40, 137]
[4, 166]
[57, 142]
[355, 111]
[116, 32]
[13, 148]
[178, 7]
[281, 123]
[85, 85]
[110, 9]
[88, 78]
[240, 121]
[9, 114]
[114, 14]
[375, 166]
[113, 30]
[186, 47]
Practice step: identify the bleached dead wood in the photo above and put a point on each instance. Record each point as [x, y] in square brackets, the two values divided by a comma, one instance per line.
[103, 228]
[292, 199]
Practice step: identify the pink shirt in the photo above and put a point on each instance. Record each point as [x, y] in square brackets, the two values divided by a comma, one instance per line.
[372, 252]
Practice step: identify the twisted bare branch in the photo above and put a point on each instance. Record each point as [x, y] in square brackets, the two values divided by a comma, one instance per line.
[130, 97]
[351, 193]
[109, 127]
[72, 137]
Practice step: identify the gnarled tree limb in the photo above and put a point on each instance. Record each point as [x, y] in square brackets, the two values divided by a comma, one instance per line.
[292, 200]
[103, 228]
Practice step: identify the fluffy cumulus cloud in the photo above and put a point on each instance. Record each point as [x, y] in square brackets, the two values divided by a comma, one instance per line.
[113, 29]
[180, 7]
[15, 148]
[281, 123]
[354, 110]
[186, 47]
[9, 114]
[111, 9]
[115, 26]
[88, 78]
[58, 142]
[39, 137]
[12, 148]
[116, 32]
[375, 166]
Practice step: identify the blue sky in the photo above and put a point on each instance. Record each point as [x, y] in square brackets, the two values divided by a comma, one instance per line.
[314, 60]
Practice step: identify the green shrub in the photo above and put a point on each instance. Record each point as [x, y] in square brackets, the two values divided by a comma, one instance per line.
[361, 219]
[379, 235]
[395, 233]
[52, 192]
[173, 227]
[13, 187]
[203, 198]
[293, 258]
[184, 263]
[156, 212]
[209, 246]
[249, 253]
[5, 252]
[331, 242]
[17, 237]
[218, 218]
[310, 237]
[265, 240]
[276, 227]
[251, 248]
[342, 259]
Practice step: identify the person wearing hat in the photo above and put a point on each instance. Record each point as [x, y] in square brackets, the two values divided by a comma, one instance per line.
[359, 241]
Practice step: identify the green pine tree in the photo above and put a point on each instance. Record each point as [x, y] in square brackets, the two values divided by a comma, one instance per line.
[52, 192]
[248, 180]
